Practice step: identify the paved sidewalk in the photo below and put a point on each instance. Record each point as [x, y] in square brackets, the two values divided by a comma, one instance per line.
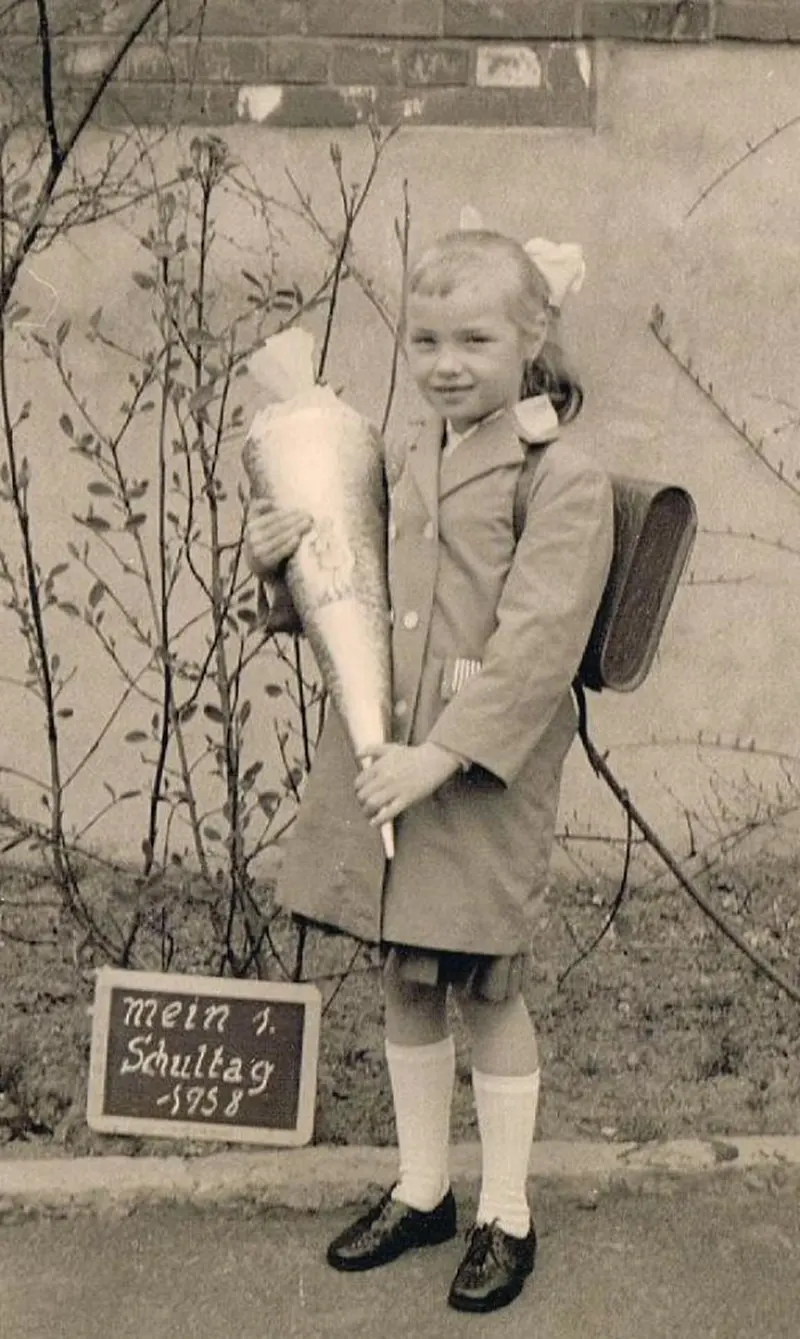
[718, 1261]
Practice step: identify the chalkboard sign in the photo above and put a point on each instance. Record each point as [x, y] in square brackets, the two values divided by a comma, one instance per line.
[203, 1057]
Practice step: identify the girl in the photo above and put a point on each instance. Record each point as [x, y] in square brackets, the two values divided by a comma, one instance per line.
[488, 632]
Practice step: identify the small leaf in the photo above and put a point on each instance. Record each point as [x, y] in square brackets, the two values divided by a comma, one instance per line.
[273, 690]
[65, 424]
[62, 331]
[244, 714]
[145, 281]
[96, 594]
[58, 569]
[65, 712]
[135, 737]
[202, 397]
[95, 522]
[135, 521]
[186, 712]
[212, 834]
[269, 801]
[252, 279]
[99, 488]
[203, 338]
[67, 607]
[213, 713]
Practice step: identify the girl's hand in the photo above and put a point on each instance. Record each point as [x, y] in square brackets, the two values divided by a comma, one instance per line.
[395, 776]
[270, 536]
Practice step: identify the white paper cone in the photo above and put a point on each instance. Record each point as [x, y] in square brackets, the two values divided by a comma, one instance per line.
[325, 459]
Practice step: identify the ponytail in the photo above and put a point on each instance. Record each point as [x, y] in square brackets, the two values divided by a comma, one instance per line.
[549, 373]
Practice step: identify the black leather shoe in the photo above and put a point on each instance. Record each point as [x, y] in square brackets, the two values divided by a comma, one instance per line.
[493, 1270]
[390, 1228]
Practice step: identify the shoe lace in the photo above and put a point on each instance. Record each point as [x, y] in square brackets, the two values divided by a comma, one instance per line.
[479, 1245]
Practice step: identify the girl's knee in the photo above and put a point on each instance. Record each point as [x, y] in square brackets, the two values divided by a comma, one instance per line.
[485, 1016]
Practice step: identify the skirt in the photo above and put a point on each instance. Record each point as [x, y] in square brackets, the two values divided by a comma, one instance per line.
[478, 976]
[495, 980]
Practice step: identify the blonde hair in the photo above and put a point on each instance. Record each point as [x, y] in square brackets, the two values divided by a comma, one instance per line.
[459, 258]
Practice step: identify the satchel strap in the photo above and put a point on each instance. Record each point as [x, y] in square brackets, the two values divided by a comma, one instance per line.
[523, 487]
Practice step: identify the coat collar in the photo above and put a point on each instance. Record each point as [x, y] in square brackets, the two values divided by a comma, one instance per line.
[498, 443]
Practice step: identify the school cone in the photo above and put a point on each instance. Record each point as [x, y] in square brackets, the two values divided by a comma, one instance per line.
[308, 450]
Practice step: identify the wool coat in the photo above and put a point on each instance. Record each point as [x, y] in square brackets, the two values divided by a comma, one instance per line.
[488, 630]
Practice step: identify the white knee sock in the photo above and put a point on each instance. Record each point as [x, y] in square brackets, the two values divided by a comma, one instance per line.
[422, 1085]
[506, 1119]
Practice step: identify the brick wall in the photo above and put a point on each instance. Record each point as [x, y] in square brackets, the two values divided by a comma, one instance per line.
[336, 62]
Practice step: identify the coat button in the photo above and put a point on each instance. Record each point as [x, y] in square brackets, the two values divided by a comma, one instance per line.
[410, 620]
[428, 530]
[400, 708]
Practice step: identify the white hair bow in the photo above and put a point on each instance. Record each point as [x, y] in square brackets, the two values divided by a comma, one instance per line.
[561, 264]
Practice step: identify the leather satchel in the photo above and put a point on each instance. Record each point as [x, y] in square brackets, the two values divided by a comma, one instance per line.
[654, 530]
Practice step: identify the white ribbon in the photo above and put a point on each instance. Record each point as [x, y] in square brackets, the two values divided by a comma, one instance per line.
[536, 419]
[561, 264]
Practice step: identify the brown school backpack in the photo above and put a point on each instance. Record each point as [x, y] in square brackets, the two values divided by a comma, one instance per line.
[654, 529]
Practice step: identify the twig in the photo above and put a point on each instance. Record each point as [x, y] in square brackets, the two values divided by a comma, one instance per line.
[403, 234]
[36, 220]
[717, 743]
[659, 329]
[615, 906]
[750, 152]
[343, 977]
[601, 768]
[56, 157]
[752, 538]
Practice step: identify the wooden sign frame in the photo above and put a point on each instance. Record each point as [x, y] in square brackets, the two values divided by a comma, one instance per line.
[175, 991]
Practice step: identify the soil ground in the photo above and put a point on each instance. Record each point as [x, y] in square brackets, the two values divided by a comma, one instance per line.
[664, 1031]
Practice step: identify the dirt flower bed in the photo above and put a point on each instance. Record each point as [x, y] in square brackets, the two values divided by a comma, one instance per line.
[665, 1031]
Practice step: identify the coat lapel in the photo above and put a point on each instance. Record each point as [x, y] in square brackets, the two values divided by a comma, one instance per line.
[493, 446]
[498, 443]
[424, 455]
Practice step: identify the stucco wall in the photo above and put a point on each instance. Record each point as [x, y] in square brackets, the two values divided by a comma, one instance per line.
[669, 120]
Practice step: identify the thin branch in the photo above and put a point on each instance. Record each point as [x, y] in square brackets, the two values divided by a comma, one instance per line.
[750, 152]
[601, 768]
[659, 329]
[45, 43]
[403, 233]
[717, 743]
[615, 906]
[752, 538]
[36, 220]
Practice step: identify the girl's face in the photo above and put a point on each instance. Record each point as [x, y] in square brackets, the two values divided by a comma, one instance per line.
[465, 353]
